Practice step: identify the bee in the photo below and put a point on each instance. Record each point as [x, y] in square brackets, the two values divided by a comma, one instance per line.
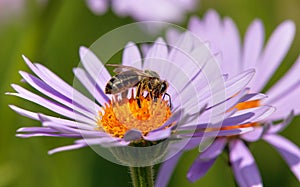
[128, 77]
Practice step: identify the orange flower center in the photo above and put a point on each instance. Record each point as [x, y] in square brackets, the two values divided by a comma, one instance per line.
[122, 115]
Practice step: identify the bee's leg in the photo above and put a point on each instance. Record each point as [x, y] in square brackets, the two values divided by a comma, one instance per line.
[124, 94]
[170, 102]
[114, 99]
[138, 93]
[150, 90]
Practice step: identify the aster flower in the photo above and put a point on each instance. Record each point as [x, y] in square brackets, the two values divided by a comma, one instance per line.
[9, 8]
[207, 157]
[235, 57]
[13, 8]
[117, 123]
[95, 119]
[146, 10]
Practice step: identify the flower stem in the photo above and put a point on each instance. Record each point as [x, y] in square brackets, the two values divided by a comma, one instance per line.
[142, 176]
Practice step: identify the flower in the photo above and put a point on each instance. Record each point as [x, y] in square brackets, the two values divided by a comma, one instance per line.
[10, 8]
[207, 158]
[235, 57]
[146, 10]
[114, 121]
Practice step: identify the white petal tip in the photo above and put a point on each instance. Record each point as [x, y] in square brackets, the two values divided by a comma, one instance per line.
[160, 40]
[51, 152]
[211, 11]
[245, 130]
[129, 44]
[19, 130]
[24, 57]
[290, 23]
[83, 50]
[27, 61]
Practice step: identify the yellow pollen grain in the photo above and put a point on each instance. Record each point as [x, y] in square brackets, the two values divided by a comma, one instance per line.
[120, 116]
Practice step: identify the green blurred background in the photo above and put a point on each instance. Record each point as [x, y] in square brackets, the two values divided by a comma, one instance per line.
[51, 34]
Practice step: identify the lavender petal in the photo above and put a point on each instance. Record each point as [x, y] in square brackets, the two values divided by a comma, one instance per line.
[132, 135]
[166, 170]
[98, 6]
[206, 159]
[157, 54]
[66, 148]
[55, 107]
[158, 135]
[231, 49]
[36, 130]
[274, 129]
[132, 56]
[254, 41]
[66, 122]
[288, 150]
[56, 83]
[94, 67]
[243, 165]
[24, 112]
[286, 84]
[92, 87]
[275, 50]
[66, 129]
[38, 134]
[284, 109]
[254, 135]
[51, 93]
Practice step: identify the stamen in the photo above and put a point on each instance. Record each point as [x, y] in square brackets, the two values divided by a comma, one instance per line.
[119, 116]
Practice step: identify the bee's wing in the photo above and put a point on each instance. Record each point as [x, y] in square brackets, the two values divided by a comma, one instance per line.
[121, 69]
[123, 81]
[130, 78]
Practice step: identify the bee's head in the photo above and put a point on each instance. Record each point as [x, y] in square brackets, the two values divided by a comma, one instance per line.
[163, 87]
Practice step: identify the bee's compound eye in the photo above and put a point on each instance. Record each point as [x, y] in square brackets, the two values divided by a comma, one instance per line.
[163, 87]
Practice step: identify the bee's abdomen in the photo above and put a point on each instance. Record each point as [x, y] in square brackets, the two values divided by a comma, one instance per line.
[121, 83]
[108, 88]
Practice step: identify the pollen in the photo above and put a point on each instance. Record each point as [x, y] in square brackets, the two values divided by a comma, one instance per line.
[144, 114]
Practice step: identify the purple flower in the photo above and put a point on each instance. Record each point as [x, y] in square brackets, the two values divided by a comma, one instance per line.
[146, 10]
[10, 8]
[120, 121]
[235, 57]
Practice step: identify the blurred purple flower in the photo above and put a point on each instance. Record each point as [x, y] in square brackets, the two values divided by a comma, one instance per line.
[146, 10]
[223, 36]
[9, 8]
[98, 6]
[86, 121]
